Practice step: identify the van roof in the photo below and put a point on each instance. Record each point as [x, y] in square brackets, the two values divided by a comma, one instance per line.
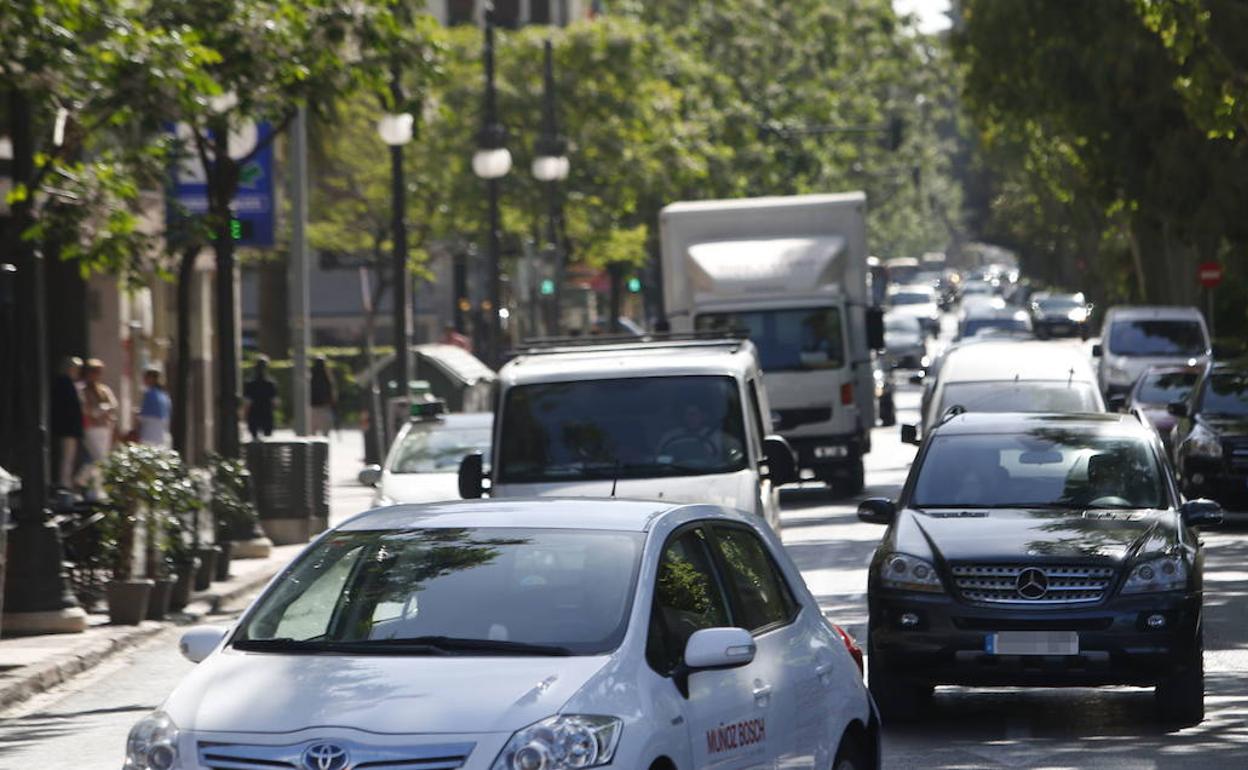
[736, 358]
[1137, 312]
[1016, 359]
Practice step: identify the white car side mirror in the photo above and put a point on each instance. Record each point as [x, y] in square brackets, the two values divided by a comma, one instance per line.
[719, 648]
[198, 643]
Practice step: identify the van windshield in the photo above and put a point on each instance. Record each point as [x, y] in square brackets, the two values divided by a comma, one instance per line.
[787, 340]
[637, 427]
[1157, 338]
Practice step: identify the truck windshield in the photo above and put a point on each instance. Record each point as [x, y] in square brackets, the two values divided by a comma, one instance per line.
[638, 427]
[787, 340]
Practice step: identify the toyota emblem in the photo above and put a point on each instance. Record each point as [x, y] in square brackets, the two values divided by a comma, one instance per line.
[325, 756]
[1032, 584]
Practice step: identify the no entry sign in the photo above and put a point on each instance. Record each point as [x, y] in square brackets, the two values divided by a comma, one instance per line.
[1210, 274]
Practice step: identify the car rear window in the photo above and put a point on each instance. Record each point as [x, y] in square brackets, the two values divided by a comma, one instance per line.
[1022, 396]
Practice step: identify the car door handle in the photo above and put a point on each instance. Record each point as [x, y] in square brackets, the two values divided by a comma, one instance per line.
[762, 693]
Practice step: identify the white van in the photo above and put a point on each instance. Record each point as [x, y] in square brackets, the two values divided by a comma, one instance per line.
[680, 420]
[1133, 338]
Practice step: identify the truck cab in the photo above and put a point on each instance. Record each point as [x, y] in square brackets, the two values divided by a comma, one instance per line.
[680, 420]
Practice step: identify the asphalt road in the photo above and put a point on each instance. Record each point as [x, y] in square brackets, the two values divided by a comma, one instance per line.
[83, 724]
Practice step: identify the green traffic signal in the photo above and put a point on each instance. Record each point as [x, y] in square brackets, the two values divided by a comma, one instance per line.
[547, 288]
[634, 285]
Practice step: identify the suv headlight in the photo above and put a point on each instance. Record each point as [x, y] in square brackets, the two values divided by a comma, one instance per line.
[1203, 442]
[1166, 574]
[909, 573]
[153, 743]
[562, 743]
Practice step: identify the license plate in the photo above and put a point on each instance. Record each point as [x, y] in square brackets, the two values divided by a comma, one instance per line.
[1061, 329]
[1032, 643]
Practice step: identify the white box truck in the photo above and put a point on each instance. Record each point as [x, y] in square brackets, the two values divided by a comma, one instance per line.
[792, 272]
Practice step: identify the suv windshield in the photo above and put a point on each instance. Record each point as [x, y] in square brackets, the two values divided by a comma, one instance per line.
[1041, 468]
[787, 340]
[1021, 396]
[637, 427]
[452, 591]
[439, 448]
[1059, 303]
[1157, 338]
[1226, 393]
[1166, 387]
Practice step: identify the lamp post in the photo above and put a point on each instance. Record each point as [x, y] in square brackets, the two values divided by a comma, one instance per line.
[395, 130]
[492, 162]
[551, 166]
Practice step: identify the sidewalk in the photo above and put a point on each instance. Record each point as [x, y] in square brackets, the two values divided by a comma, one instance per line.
[32, 664]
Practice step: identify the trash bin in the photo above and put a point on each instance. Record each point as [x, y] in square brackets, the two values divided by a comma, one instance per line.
[318, 469]
[280, 471]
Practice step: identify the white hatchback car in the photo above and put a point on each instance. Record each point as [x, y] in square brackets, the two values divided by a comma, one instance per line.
[524, 635]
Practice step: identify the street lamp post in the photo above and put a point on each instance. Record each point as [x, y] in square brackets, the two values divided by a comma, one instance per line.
[492, 162]
[550, 166]
[395, 130]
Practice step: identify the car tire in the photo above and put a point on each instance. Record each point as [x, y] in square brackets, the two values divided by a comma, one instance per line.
[852, 484]
[897, 699]
[852, 756]
[1180, 697]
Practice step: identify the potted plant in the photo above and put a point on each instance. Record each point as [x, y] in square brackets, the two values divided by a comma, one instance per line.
[129, 480]
[184, 503]
[233, 514]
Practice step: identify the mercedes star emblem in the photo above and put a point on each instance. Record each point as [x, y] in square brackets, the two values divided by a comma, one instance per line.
[325, 756]
[1032, 584]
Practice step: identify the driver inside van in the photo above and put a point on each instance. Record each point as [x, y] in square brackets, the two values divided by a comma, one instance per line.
[697, 439]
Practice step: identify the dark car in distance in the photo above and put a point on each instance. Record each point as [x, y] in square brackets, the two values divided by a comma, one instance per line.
[1038, 550]
[1210, 435]
[1060, 315]
[1153, 393]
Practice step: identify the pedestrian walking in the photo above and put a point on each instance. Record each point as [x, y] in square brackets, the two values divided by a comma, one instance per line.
[65, 416]
[156, 411]
[323, 396]
[260, 393]
[451, 336]
[99, 411]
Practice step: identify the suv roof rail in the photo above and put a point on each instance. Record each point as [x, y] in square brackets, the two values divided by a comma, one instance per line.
[548, 345]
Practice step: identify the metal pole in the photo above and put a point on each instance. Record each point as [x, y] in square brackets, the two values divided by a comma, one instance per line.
[227, 333]
[402, 301]
[494, 279]
[550, 129]
[297, 269]
[1209, 301]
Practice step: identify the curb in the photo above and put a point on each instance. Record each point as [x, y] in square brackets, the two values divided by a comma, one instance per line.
[46, 675]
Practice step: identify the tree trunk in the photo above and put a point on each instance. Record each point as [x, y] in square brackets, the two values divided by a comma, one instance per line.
[222, 183]
[182, 357]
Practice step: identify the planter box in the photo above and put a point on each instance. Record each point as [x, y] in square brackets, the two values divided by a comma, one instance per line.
[128, 600]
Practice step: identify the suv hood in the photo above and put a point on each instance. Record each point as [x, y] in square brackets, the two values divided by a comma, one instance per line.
[236, 691]
[994, 535]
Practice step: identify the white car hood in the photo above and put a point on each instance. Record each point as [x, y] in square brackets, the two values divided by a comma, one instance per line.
[419, 487]
[235, 691]
[734, 490]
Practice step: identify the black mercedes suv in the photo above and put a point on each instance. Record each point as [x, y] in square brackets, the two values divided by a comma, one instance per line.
[1210, 435]
[1038, 550]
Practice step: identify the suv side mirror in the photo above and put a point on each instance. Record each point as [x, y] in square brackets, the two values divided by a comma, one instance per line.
[877, 510]
[910, 434]
[1116, 402]
[1201, 513]
[370, 476]
[1098, 350]
[875, 327]
[781, 465]
[472, 476]
[1177, 409]
[198, 643]
[714, 649]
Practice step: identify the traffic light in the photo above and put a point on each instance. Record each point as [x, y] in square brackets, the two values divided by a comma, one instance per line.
[547, 287]
[634, 284]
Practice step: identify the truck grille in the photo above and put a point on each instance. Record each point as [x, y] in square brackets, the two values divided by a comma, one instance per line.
[1237, 455]
[1044, 585]
[237, 756]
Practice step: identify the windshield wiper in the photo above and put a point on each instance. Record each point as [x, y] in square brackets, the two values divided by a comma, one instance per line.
[450, 644]
[314, 646]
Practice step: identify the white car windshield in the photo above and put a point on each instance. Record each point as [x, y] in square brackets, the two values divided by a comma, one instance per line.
[455, 591]
[1157, 338]
[439, 449]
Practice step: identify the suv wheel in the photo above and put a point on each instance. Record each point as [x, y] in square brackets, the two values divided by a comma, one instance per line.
[898, 700]
[851, 756]
[853, 483]
[1180, 697]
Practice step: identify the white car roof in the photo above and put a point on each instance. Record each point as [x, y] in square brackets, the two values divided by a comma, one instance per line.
[736, 358]
[1016, 359]
[545, 513]
[1146, 312]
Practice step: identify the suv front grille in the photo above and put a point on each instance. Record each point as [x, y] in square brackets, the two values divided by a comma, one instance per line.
[1236, 452]
[237, 756]
[1042, 585]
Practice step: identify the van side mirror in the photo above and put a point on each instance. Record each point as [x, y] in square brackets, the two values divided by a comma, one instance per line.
[910, 434]
[877, 510]
[1201, 513]
[1098, 350]
[781, 465]
[714, 649]
[1116, 402]
[1177, 409]
[370, 476]
[472, 476]
[198, 643]
[875, 327]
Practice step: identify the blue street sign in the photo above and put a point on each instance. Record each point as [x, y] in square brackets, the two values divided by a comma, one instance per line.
[253, 206]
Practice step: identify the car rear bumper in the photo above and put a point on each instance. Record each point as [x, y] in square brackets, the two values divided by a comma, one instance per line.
[1064, 328]
[1116, 645]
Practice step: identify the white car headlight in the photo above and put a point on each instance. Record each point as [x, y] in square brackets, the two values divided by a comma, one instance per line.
[1078, 315]
[909, 574]
[1166, 574]
[153, 744]
[562, 743]
[1203, 442]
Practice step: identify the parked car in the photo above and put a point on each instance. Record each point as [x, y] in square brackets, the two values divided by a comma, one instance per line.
[1007, 376]
[1210, 436]
[422, 465]
[1156, 389]
[1038, 550]
[917, 301]
[682, 420]
[1134, 338]
[506, 635]
[905, 341]
[1060, 315]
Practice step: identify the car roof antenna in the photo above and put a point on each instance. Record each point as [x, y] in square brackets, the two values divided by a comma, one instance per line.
[615, 479]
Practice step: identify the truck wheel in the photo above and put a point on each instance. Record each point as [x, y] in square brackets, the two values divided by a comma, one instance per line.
[853, 484]
[897, 699]
[1180, 697]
